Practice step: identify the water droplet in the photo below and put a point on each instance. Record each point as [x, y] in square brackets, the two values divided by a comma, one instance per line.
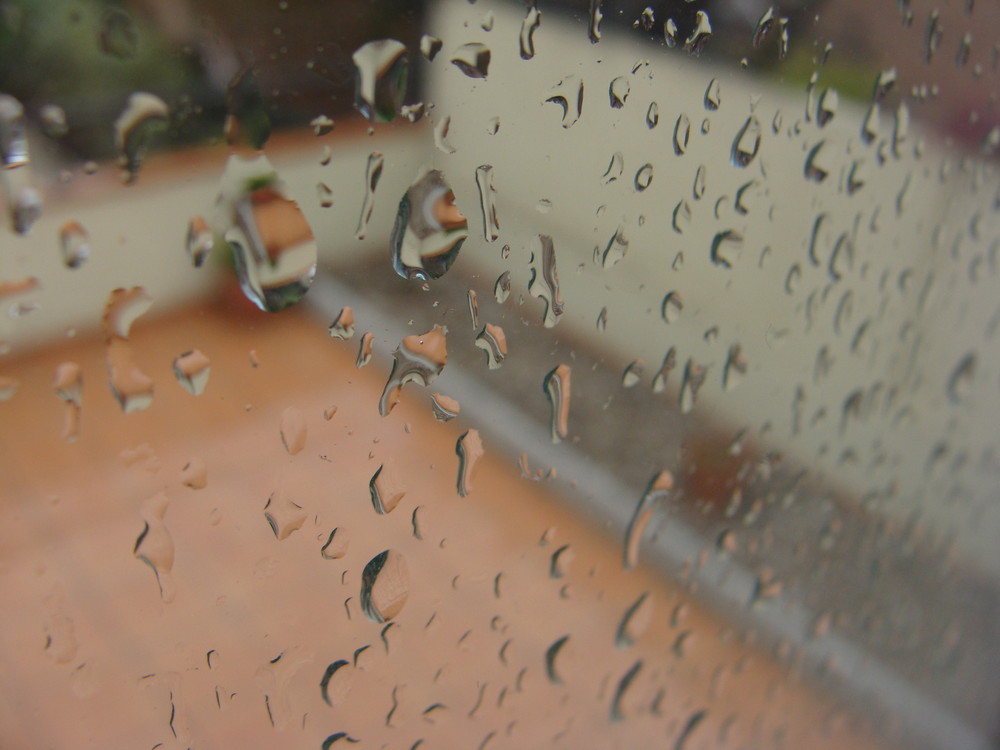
[430, 46]
[155, 546]
[385, 586]
[616, 248]
[336, 545]
[646, 19]
[74, 243]
[488, 21]
[560, 561]
[602, 319]
[691, 383]
[551, 654]
[816, 168]
[501, 289]
[900, 129]
[657, 491]
[633, 373]
[469, 450]
[373, 172]
[960, 380]
[764, 25]
[194, 475]
[200, 241]
[618, 92]
[713, 96]
[568, 93]
[682, 217]
[118, 36]
[429, 229]
[856, 177]
[444, 408]
[493, 341]
[441, 135]
[746, 144]
[652, 115]
[145, 115]
[419, 358]
[365, 349]
[473, 59]
[68, 385]
[321, 125]
[596, 16]
[671, 308]
[473, 298]
[544, 280]
[529, 25]
[273, 247]
[52, 119]
[386, 490]
[644, 177]
[932, 35]
[557, 389]
[343, 326]
[726, 248]
[735, 367]
[618, 700]
[324, 195]
[782, 38]
[670, 33]
[615, 168]
[884, 82]
[293, 430]
[132, 388]
[25, 206]
[635, 621]
[827, 107]
[13, 133]
[381, 74]
[692, 723]
[487, 202]
[335, 684]
[698, 187]
[283, 515]
[700, 34]
[191, 370]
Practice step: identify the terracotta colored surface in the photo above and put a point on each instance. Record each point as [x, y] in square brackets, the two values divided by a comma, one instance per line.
[92, 657]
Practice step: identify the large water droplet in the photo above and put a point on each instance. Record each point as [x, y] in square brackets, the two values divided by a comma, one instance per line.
[469, 450]
[386, 490]
[596, 16]
[657, 491]
[13, 133]
[618, 92]
[373, 172]
[747, 143]
[418, 359]
[713, 96]
[144, 116]
[385, 586]
[429, 229]
[568, 93]
[118, 36]
[155, 546]
[74, 244]
[493, 341]
[274, 250]
[529, 25]
[473, 59]
[544, 281]
[557, 388]
[200, 241]
[381, 73]
[487, 202]
[700, 34]
[191, 370]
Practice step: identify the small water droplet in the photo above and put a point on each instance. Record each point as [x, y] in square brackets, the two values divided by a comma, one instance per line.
[932, 34]
[551, 654]
[155, 546]
[726, 248]
[964, 50]
[616, 248]
[816, 168]
[191, 370]
[900, 129]
[68, 385]
[293, 430]
[343, 326]
[692, 381]
[884, 82]
[960, 380]
[501, 289]
[544, 280]
[25, 207]
[658, 490]
[194, 474]
[469, 450]
[746, 144]
[321, 125]
[52, 119]
[700, 34]
[764, 25]
[568, 93]
[74, 243]
[671, 308]
[713, 96]
[373, 172]
[336, 545]
[556, 386]
[381, 74]
[473, 59]
[385, 586]
[827, 106]
[698, 187]
[596, 16]
[118, 36]
[529, 25]
[560, 561]
[644, 177]
[493, 341]
[324, 195]
[652, 115]
[635, 621]
[132, 388]
[430, 46]
[681, 217]
[444, 408]
[615, 168]
[200, 241]
[487, 202]
[385, 489]
[618, 92]
[488, 20]
[429, 229]
[602, 319]
[419, 358]
[735, 367]
[670, 33]
[633, 373]
[145, 115]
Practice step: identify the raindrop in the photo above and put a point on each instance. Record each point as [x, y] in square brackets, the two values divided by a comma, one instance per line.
[473, 298]
[726, 247]
[68, 385]
[155, 546]
[735, 367]
[528, 27]
[144, 116]
[493, 341]
[13, 133]
[200, 241]
[671, 308]
[869, 128]
[25, 206]
[617, 712]
[698, 187]
[132, 388]
[501, 289]
[430, 46]
[551, 654]
[74, 242]
[644, 177]
[321, 124]
[273, 247]
[960, 380]
[884, 82]
[782, 38]
[488, 20]
[429, 229]
[544, 280]
[646, 19]
[560, 561]
[568, 93]
[194, 475]
[635, 621]
[616, 248]
[557, 389]
[52, 118]
[618, 92]
[324, 194]
[747, 143]
[473, 59]
[739, 203]
[633, 373]
[441, 135]
[657, 491]
[373, 172]
[815, 169]
[700, 34]
[343, 326]
[469, 450]
[444, 407]
[293, 430]
[900, 129]
[615, 168]
[191, 370]
[827, 107]
[118, 36]
[386, 490]
[670, 33]
[932, 35]
[689, 727]
[336, 545]
[602, 319]
[682, 216]
[487, 202]
[333, 686]
[419, 358]
[691, 383]
[964, 49]
[385, 586]
[596, 16]
[713, 98]
[381, 73]
[764, 25]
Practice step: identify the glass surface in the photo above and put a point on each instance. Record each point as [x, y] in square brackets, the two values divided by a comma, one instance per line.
[480, 373]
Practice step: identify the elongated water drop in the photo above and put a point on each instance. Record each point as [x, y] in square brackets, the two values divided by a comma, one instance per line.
[132, 388]
[829, 100]
[869, 128]
[13, 133]
[473, 59]
[615, 168]
[764, 25]
[68, 385]
[700, 34]
[529, 25]
[200, 241]
[469, 450]
[74, 242]
[618, 92]
[385, 586]
[191, 370]
[155, 545]
[747, 143]
[145, 115]
[429, 229]
[381, 74]
[698, 186]
[487, 202]
[657, 492]
[692, 381]
[386, 490]
[932, 34]
[493, 341]
[652, 115]
[373, 172]
[441, 135]
[568, 93]
[418, 359]
[670, 33]
[501, 289]
[544, 281]
[557, 388]
[713, 96]
[596, 16]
